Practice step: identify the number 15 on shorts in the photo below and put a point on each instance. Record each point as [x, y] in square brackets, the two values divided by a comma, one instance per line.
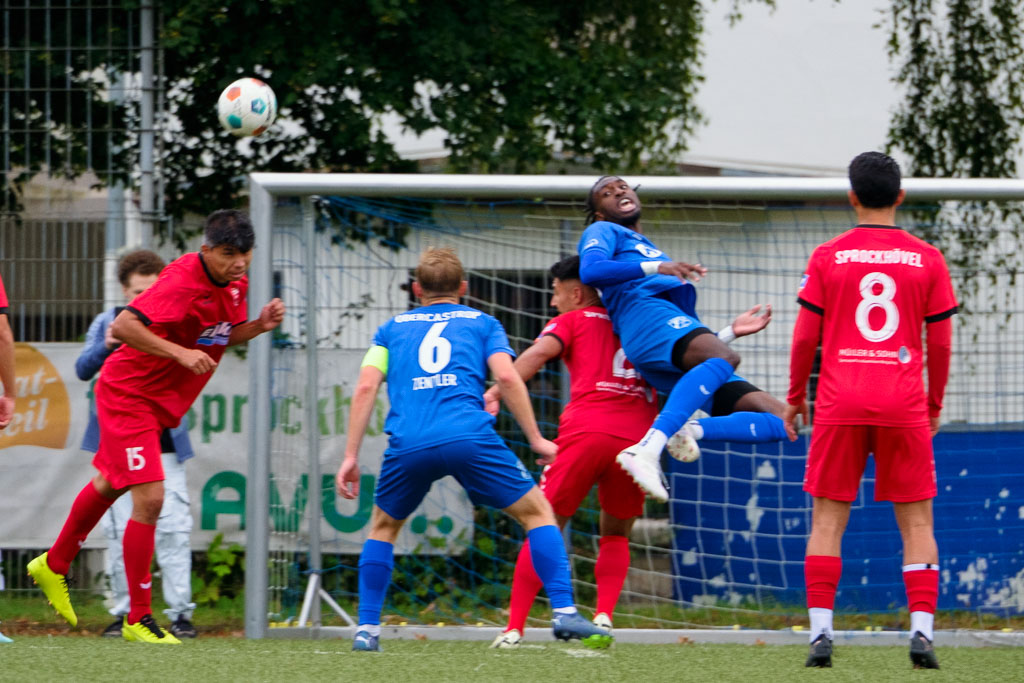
[136, 461]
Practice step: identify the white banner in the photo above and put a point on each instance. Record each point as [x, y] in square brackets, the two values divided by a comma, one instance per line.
[42, 467]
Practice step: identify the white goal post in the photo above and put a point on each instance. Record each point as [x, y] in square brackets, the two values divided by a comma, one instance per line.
[265, 189]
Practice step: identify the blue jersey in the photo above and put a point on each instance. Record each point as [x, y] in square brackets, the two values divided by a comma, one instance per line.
[437, 365]
[610, 260]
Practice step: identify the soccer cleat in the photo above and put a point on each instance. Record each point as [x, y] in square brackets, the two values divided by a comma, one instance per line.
[922, 654]
[183, 628]
[5, 639]
[114, 630]
[645, 470]
[682, 446]
[574, 626]
[602, 620]
[508, 640]
[821, 652]
[364, 642]
[147, 631]
[54, 587]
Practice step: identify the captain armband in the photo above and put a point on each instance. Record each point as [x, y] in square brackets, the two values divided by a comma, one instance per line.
[727, 334]
[377, 357]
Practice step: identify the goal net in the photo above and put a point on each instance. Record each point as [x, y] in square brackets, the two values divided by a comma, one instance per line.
[728, 548]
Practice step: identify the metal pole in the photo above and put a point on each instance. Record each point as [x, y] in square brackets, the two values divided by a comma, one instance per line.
[147, 203]
[257, 498]
[312, 414]
[664, 187]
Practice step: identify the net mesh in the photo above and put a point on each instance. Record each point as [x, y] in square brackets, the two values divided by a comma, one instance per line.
[728, 548]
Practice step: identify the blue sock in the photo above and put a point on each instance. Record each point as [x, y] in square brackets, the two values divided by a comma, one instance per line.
[744, 427]
[691, 392]
[375, 564]
[547, 551]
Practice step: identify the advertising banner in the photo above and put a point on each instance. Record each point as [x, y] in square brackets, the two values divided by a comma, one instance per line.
[42, 467]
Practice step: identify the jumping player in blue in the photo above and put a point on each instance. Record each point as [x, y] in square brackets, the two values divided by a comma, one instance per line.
[435, 360]
[651, 300]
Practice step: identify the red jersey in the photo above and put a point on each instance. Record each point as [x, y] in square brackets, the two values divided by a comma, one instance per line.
[875, 288]
[3, 298]
[607, 394]
[185, 306]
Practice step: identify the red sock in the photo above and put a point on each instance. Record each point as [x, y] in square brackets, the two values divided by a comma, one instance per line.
[610, 571]
[821, 575]
[139, 540]
[525, 586]
[922, 589]
[85, 513]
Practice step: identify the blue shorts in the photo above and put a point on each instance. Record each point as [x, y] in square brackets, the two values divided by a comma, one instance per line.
[649, 328]
[491, 474]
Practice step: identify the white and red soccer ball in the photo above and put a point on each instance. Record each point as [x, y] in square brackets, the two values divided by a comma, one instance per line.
[247, 107]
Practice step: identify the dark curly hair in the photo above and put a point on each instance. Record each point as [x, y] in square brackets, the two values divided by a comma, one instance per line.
[140, 262]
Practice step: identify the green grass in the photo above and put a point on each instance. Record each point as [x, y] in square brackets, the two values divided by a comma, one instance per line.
[233, 659]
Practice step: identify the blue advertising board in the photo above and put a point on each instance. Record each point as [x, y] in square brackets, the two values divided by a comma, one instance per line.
[741, 519]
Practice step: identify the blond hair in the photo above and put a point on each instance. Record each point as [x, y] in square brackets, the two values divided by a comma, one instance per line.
[439, 271]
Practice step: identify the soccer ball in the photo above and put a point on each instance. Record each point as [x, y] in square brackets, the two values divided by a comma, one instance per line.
[247, 107]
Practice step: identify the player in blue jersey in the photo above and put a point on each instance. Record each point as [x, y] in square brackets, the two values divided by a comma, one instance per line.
[651, 300]
[435, 359]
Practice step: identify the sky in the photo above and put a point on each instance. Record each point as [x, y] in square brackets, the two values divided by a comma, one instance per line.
[801, 89]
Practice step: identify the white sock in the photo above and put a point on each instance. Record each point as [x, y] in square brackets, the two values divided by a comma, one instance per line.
[694, 429]
[821, 622]
[372, 629]
[653, 442]
[564, 610]
[923, 622]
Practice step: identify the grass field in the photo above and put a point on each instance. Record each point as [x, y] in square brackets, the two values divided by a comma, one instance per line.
[70, 658]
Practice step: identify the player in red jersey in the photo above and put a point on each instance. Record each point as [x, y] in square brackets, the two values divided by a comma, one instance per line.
[173, 336]
[865, 297]
[610, 407]
[6, 362]
[6, 375]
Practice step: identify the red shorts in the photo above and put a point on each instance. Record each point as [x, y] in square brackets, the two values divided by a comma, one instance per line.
[129, 451]
[904, 463]
[585, 459]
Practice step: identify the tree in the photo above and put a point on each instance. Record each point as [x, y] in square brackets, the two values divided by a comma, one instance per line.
[516, 85]
[962, 64]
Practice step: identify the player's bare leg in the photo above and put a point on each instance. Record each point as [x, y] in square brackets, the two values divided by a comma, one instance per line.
[921, 576]
[822, 569]
[706, 363]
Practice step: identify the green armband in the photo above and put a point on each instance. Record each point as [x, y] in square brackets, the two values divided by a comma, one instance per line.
[376, 356]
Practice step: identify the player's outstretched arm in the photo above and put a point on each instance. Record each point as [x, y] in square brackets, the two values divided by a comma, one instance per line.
[528, 364]
[363, 400]
[270, 317]
[128, 328]
[752, 321]
[513, 392]
[6, 372]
